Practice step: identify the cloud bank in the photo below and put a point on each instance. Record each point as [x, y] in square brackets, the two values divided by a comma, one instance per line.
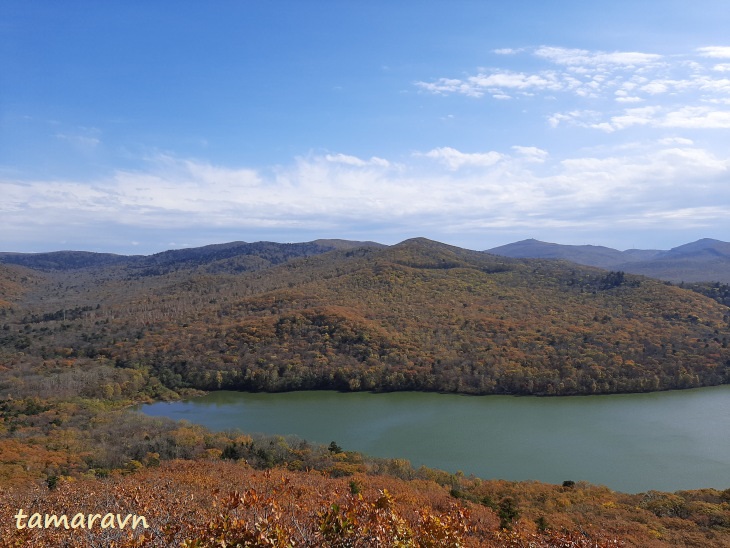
[443, 190]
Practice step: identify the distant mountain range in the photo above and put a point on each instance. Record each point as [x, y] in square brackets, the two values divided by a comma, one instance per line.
[705, 260]
[232, 257]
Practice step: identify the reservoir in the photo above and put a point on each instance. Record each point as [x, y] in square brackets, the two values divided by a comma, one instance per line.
[633, 442]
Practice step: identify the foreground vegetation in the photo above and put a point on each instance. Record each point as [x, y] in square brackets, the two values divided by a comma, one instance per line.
[79, 345]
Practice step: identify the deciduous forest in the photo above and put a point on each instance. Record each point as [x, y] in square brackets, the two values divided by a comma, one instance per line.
[82, 337]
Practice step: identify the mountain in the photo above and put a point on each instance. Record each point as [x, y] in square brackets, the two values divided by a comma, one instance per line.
[230, 257]
[419, 315]
[63, 260]
[704, 245]
[592, 255]
[705, 260]
[335, 243]
[78, 346]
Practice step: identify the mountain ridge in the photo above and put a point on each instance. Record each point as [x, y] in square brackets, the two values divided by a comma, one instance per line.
[166, 261]
[418, 315]
[705, 260]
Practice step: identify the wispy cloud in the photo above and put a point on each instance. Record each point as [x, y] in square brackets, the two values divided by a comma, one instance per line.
[531, 154]
[82, 139]
[687, 117]
[722, 52]
[585, 58]
[496, 83]
[508, 51]
[628, 78]
[455, 159]
[355, 161]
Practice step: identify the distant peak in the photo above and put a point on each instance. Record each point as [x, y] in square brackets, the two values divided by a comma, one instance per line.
[423, 243]
[703, 243]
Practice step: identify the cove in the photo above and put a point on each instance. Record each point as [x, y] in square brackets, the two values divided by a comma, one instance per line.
[665, 441]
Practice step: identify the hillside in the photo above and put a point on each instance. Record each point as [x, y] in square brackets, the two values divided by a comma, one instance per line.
[419, 315]
[79, 345]
[210, 504]
[705, 260]
[16, 282]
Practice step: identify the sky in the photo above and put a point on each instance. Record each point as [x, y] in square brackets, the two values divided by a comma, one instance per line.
[134, 127]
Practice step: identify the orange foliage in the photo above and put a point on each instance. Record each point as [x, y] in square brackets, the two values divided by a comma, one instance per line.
[221, 504]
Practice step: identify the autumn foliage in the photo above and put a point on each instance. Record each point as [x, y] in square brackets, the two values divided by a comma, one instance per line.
[79, 345]
[223, 504]
[415, 316]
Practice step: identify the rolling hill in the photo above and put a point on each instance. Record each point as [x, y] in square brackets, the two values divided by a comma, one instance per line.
[418, 315]
[80, 342]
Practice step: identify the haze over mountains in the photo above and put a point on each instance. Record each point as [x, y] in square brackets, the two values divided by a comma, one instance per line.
[705, 260]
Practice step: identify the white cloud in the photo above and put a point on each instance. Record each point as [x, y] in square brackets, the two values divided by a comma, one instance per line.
[691, 117]
[645, 170]
[575, 117]
[622, 96]
[584, 73]
[582, 57]
[674, 91]
[221, 178]
[455, 159]
[495, 82]
[697, 118]
[633, 117]
[355, 161]
[715, 52]
[654, 88]
[513, 80]
[528, 187]
[444, 86]
[531, 154]
[629, 100]
[676, 141]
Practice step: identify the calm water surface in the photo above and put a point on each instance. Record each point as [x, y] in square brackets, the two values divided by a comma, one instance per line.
[635, 442]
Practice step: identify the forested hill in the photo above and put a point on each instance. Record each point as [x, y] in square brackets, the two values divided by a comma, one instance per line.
[78, 345]
[419, 315]
[229, 257]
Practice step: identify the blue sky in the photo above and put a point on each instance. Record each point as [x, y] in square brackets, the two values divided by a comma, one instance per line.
[135, 127]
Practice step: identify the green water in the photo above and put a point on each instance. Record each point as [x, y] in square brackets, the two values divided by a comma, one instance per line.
[635, 442]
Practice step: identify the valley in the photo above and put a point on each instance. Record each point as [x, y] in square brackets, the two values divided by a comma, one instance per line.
[85, 336]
